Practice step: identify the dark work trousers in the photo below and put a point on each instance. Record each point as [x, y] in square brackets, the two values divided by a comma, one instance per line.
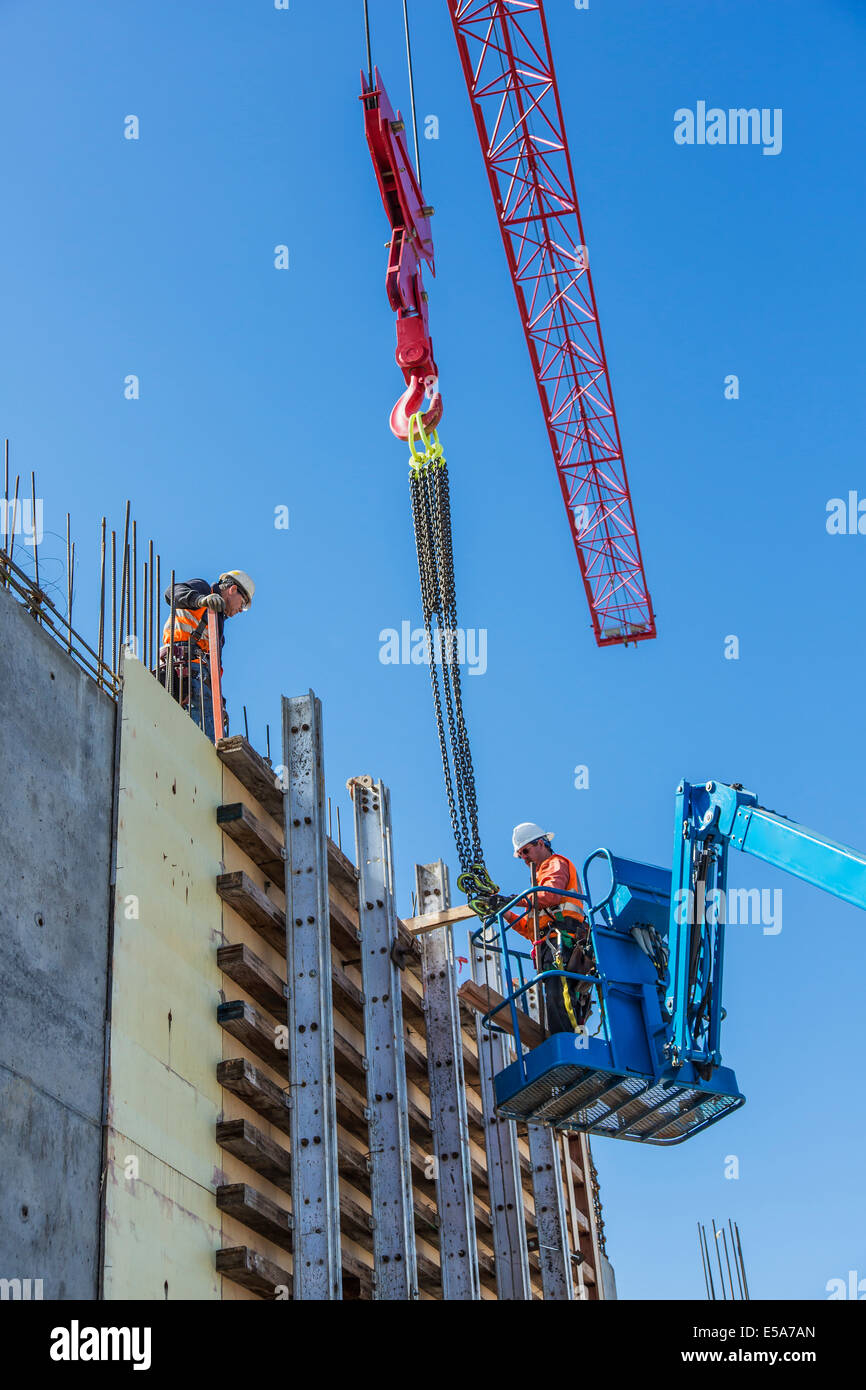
[201, 699]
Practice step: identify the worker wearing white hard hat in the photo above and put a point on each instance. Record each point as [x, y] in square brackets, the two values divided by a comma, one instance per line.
[186, 647]
[526, 834]
[557, 927]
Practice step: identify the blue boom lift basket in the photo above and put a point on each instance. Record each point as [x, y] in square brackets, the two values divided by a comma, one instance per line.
[625, 1080]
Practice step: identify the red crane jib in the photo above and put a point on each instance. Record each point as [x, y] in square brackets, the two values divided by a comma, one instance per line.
[504, 48]
[411, 245]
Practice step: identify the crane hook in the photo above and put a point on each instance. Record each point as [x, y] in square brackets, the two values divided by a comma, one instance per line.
[410, 403]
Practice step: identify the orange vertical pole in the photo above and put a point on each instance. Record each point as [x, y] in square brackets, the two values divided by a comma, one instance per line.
[215, 677]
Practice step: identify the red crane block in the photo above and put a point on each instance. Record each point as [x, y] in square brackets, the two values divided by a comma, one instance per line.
[507, 63]
[411, 245]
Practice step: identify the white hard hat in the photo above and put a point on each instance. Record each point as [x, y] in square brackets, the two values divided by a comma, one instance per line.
[242, 580]
[526, 832]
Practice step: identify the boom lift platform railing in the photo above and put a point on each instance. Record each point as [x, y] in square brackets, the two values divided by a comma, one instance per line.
[603, 1082]
[652, 1070]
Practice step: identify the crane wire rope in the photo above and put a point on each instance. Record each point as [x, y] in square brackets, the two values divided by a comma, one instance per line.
[411, 88]
[369, 48]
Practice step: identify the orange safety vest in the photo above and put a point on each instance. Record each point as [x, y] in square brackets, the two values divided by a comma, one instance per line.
[186, 620]
[571, 911]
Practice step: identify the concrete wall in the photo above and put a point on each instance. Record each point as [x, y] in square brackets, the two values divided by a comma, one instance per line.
[56, 772]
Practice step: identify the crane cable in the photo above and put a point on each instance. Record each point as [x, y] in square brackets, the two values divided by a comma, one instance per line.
[410, 67]
[369, 47]
[411, 89]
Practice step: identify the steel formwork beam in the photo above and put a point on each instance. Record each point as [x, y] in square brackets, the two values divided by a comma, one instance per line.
[317, 1272]
[548, 1190]
[503, 1157]
[395, 1272]
[458, 1249]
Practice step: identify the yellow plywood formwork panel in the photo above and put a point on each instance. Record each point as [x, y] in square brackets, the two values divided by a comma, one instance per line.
[164, 1098]
[162, 1228]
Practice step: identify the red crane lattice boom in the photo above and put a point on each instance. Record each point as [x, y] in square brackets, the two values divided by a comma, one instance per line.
[505, 52]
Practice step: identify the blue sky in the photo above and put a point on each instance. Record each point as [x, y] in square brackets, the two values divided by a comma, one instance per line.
[262, 388]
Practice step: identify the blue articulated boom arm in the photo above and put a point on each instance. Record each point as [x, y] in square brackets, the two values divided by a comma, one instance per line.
[804, 853]
[710, 817]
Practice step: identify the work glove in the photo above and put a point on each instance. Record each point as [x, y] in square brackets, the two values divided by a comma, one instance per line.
[215, 602]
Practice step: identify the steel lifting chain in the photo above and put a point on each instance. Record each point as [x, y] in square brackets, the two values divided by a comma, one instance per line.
[431, 516]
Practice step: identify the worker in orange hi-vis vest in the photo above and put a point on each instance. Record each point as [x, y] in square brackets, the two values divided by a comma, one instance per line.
[558, 929]
[187, 646]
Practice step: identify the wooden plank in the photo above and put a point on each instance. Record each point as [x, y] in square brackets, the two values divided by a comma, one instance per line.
[357, 1277]
[348, 997]
[432, 920]
[256, 1211]
[356, 1221]
[255, 907]
[350, 1110]
[258, 979]
[255, 839]
[342, 872]
[254, 1030]
[482, 998]
[257, 1151]
[344, 931]
[252, 1271]
[256, 1090]
[253, 772]
[416, 1062]
[272, 1161]
[347, 1059]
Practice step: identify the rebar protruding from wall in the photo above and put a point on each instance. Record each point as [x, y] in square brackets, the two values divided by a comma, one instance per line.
[124, 583]
[36, 531]
[171, 613]
[151, 659]
[101, 638]
[5, 579]
[68, 574]
[14, 517]
[158, 630]
[135, 586]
